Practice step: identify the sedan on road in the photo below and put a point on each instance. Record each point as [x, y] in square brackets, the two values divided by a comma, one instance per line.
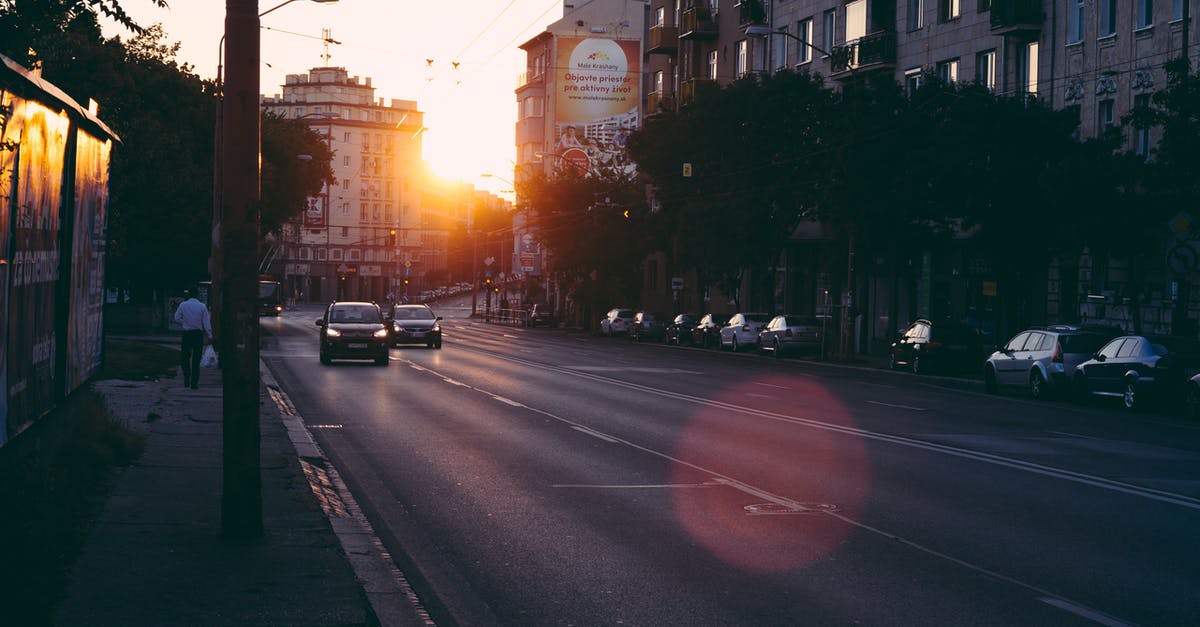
[679, 332]
[791, 333]
[944, 345]
[1140, 369]
[742, 330]
[707, 332]
[616, 321]
[416, 324]
[353, 330]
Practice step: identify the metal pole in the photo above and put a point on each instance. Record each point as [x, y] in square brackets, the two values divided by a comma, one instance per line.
[241, 499]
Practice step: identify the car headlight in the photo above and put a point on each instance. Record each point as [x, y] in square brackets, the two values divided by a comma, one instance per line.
[436, 328]
[329, 332]
[381, 333]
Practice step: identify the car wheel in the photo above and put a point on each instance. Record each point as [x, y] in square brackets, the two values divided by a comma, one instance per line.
[778, 349]
[437, 345]
[381, 361]
[1130, 398]
[1037, 385]
[734, 345]
[989, 381]
[916, 365]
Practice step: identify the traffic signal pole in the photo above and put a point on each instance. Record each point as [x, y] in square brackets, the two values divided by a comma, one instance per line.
[241, 498]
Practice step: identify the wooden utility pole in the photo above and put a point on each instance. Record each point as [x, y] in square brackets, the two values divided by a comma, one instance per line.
[241, 499]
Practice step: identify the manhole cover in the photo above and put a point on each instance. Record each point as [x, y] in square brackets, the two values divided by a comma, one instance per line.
[773, 509]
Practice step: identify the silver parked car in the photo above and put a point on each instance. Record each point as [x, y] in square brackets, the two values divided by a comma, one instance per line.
[616, 321]
[787, 333]
[1044, 359]
[741, 332]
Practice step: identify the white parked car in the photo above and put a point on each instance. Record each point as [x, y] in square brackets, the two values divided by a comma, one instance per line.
[616, 321]
[741, 332]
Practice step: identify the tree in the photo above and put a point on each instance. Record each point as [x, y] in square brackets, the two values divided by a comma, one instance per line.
[295, 166]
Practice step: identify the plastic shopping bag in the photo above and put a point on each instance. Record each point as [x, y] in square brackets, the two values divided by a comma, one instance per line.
[209, 358]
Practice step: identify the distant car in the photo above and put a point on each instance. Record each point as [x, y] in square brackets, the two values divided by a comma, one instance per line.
[707, 332]
[416, 324]
[539, 316]
[647, 326]
[1043, 358]
[1140, 369]
[944, 346]
[616, 321]
[679, 331]
[741, 332]
[353, 330]
[791, 333]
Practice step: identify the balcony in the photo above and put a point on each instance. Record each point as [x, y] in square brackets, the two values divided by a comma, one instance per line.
[663, 40]
[874, 52]
[1016, 17]
[751, 12]
[694, 88]
[698, 24]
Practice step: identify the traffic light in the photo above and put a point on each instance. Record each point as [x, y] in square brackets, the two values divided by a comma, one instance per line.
[406, 281]
[487, 281]
[392, 237]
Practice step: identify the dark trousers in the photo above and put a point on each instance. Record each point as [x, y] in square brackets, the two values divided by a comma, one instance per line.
[192, 348]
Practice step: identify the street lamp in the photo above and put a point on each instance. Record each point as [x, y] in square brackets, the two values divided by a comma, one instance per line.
[848, 301]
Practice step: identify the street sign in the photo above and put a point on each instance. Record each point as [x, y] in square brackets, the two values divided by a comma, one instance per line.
[1182, 258]
[677, 283]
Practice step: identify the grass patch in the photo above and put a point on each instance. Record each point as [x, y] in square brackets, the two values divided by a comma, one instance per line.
[55, 479]
[132, 360]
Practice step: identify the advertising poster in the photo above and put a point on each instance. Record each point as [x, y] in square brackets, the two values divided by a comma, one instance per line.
[86, 317]
[596, 101]
[315, 215]
[33, 272]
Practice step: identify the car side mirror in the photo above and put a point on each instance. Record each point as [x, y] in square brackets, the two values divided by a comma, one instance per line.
[1100, 357]
[437, 318]
[320, 322]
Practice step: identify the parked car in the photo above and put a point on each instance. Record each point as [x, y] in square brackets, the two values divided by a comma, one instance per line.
[679, 331]
[787, 333]
[943, 346]
[616, 321]
[353, 330]
[742, 330]
[539, 316]
[416, 324]
[647, 326]
[707, 332]
[1044, 358]
[1140, 369]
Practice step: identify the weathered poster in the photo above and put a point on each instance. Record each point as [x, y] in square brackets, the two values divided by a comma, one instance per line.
[86, 316]
[597, 96]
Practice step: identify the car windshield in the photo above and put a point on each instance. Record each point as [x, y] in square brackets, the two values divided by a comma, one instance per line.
[364, 314]
[625, 313]
[413, 313]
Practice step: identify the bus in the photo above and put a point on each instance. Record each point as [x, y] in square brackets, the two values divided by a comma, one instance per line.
[270, 297]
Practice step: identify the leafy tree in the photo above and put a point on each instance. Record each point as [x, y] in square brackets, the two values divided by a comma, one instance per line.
[37, 31]
[295, 164]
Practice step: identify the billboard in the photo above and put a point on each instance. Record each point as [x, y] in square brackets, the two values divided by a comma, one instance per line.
[596, 102]
[317, 212]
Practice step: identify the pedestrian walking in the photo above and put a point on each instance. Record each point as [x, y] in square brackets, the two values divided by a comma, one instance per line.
[192, 315]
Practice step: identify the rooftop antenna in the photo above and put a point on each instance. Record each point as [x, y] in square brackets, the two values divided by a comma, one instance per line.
[326, 37]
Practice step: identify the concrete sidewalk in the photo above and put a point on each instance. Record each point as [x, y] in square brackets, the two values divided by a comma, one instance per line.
[156, 556]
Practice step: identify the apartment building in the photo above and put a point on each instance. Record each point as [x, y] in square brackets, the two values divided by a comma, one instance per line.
[364, 234]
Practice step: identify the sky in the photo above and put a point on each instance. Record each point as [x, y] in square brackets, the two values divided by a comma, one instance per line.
[407, 48]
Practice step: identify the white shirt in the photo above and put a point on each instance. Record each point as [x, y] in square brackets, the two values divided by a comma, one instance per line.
[192, 315]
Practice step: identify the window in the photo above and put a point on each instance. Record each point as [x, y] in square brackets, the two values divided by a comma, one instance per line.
[658, 82]
[1141, 136]
[912, 81]
[948, 71]
[916, 10]
[660, 16]
[1145, 13]
[743, 63]
[804, 30]
[1075, 21]
[336, 253]
[1031, 68]
[948, 10]
[678, 11]
[781, 47]
[984, 5]
[1108, 18]
[828, 22]
[362, 212]
[1176, 9]
[346, 137]
[346, 160]
[1104, 116]
[1130, 348]
[712, 65]
[985, 69]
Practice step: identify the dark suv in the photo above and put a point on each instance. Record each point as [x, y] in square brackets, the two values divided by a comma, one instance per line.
[1044, 358]
[353, 330]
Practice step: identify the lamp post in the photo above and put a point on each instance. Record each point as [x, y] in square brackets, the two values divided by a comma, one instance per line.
[235, 240]
[848, 299]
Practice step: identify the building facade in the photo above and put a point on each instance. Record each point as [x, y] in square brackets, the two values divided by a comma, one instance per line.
[364, 234]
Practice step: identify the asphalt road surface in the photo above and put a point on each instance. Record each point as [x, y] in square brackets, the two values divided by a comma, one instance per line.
[541, 476]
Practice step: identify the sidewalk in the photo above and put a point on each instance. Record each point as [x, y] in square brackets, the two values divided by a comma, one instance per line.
[156, 557]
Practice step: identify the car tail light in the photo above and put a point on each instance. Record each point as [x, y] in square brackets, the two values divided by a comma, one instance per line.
[1057, 358]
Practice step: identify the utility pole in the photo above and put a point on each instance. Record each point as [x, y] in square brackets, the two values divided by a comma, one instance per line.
[241, 499]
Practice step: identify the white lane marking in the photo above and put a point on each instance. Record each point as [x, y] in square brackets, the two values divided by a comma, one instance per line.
[594, 434]
[897, 406]
[952, 451]
[649, 486]
[631, 369]
[878, 385]
[509, 336]
[771, 385]
[453, 382]
[1089, 614]
[752, 395]
[507, 401]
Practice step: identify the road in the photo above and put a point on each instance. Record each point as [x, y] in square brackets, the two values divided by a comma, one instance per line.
[538, 476]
